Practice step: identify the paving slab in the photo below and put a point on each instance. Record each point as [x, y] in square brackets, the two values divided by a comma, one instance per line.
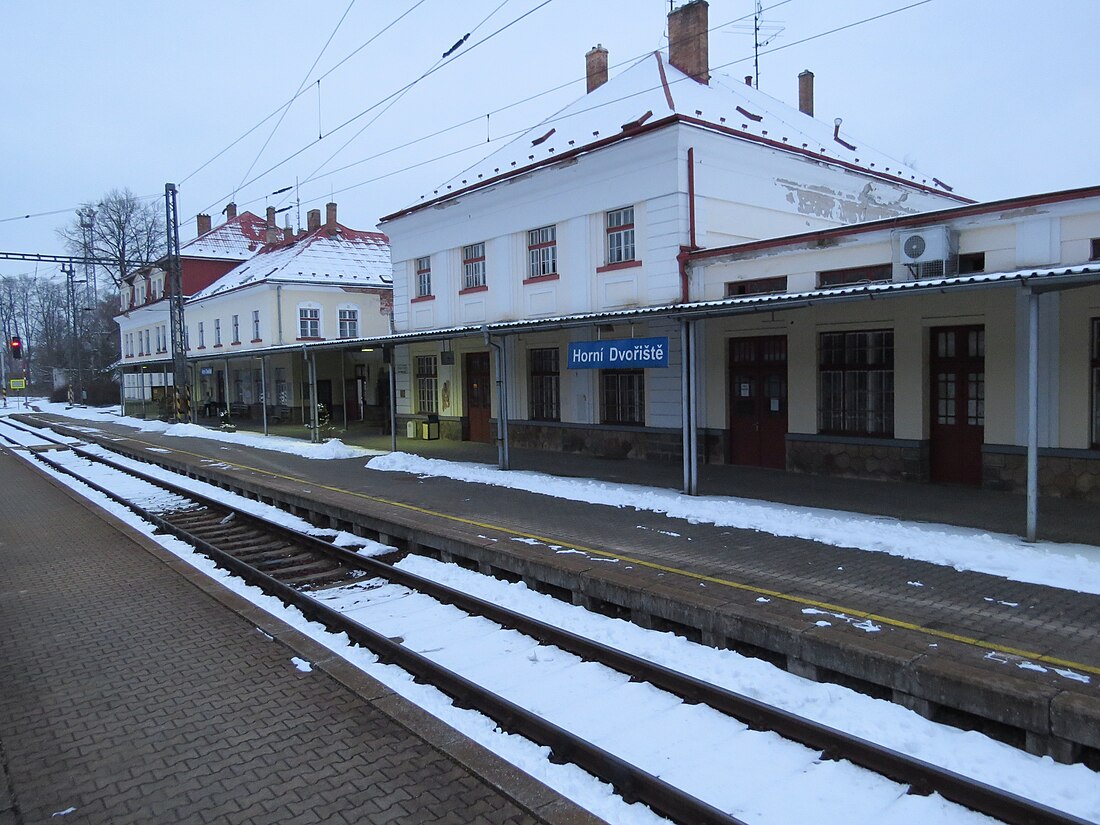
[130, 695]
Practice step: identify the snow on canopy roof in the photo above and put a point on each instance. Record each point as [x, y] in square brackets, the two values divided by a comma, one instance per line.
[236, 239]
[651, 91]
[348, 258]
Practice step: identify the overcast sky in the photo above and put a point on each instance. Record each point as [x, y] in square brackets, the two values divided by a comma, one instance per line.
[995, 97]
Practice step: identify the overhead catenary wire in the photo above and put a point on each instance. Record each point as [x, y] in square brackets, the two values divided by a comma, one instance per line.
[586, 110]
[298, 91]
[393, 94]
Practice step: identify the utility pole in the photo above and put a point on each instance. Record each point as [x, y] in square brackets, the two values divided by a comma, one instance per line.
[175, 307]
[87, 234]
[74, 341]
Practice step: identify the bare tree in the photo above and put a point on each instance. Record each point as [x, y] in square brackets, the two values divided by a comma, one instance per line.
[121, 228]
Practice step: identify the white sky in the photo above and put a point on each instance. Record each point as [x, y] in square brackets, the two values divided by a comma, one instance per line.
[995, 97]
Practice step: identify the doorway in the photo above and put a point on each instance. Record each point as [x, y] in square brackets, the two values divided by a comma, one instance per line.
[478, 397]
[957, 431]
[758, 401]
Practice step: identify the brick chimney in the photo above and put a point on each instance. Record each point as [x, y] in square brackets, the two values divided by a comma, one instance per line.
[596, 64]
[313, 220]
[203, 223]
[806, 92]
[230, 211]
[330, 218]
[687, 40]
[271, 234]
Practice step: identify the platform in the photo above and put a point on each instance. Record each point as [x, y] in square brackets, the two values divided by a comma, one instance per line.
[134, 690]
[975, 650]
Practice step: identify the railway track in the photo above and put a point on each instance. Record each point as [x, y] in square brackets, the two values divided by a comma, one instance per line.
[293, 567]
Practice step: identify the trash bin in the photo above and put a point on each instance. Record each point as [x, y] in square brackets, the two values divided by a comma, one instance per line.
[429, 430]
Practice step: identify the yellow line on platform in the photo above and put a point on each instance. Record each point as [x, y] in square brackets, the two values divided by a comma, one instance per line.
[701, 577]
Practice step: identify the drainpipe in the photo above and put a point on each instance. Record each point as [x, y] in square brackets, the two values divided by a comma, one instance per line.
[1032, 414]
[263, 390]
[682, 257]
[279, 310]
[389, 356]
[503, 459]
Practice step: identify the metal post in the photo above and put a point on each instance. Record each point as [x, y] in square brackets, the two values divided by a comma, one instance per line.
[142, 374]
[74, 345]
[685, 406]
[315, 435]
[502, 389]
[180, 381]
[263, 389]
[1032, 414]
[393, 398]
[693, 396]
[225, 387]
[344, 386]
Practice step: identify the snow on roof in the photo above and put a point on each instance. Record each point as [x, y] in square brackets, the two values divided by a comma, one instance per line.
[348, 258]
[235, 240]
[650, 91]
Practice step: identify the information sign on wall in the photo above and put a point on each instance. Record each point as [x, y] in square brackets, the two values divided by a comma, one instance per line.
[626, 353]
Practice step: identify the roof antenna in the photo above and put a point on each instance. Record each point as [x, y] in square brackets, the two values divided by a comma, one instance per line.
[762, 34]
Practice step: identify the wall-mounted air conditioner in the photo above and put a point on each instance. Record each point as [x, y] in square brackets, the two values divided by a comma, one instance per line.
[931, 251]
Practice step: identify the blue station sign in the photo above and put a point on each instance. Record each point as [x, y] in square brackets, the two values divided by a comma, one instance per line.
[626, 353]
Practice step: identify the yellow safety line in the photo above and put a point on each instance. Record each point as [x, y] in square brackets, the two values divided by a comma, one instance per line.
[702, 577]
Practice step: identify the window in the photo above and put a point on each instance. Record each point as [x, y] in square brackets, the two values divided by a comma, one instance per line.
[349, 322]
[236, 329]
[309, 322]
[255, 325]
[160, 342]
[1095, 371]
[148, 348]
[473, 266]
[542, 252]
[856, 383]
[971, 262]
[156, 287]
[425, 383]
[1094, 249]
[423, 277]
[217, 332]
[623, 397]
[620, 235]
[128, 345]
[202, 336]
[855, 275]
[756, 286]
[543, 385]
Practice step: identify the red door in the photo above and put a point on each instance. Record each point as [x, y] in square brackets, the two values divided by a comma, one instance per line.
[758, 401]
[478, 396]
[957, 367]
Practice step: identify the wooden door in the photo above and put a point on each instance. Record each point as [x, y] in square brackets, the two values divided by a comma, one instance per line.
[758, 401]
[478, 397]
[957, 369]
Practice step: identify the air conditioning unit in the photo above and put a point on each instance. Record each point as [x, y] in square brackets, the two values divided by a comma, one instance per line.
[930, 244]
[929, 252]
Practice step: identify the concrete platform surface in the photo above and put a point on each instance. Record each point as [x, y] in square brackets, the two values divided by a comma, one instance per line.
[133, 690]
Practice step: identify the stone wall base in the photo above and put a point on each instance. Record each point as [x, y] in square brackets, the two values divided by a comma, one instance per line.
[1062, 474]
[886, 460]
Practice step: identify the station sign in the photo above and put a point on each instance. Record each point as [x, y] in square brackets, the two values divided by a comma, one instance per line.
[17, 383]
[206, 370]
[625, 353]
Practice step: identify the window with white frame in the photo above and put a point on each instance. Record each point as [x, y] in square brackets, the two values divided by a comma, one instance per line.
[202, 335]
[426, 373]
[423, 277]
[473, 265]
[542, 252]
[309, 321]
[349, 321]
[160, 343]
[217, 332]
[620, 235]
[128, 345]
[255, 325]
[148, 348]
[856, 383]
[156, 287]
[236, 329]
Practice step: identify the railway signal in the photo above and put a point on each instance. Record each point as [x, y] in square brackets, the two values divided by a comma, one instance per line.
[16, 347]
